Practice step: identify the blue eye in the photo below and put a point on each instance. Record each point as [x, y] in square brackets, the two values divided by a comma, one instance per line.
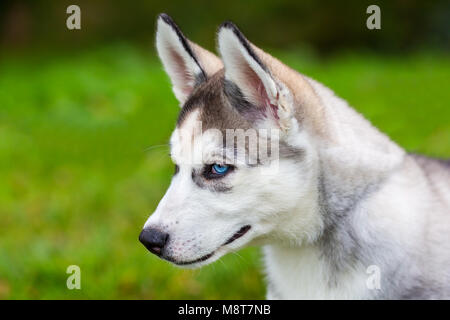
[216, 171]
[219, 169]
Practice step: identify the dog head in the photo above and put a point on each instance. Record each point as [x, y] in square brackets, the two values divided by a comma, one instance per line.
[243, 162]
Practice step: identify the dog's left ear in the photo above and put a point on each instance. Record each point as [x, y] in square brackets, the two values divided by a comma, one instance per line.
[250, 82]
[186, 63]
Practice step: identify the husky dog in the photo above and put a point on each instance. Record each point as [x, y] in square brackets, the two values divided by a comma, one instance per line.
[347, 214]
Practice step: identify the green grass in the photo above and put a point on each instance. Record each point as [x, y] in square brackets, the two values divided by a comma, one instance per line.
[79, 175]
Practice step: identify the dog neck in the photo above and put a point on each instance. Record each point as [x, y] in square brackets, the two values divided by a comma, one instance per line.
[350, 167]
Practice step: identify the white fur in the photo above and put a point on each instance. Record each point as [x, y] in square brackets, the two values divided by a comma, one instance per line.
[299, 273]
[183, 71]
[400, 224]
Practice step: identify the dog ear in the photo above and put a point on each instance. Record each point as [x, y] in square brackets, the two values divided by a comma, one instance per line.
[186, 63]
[262, 97]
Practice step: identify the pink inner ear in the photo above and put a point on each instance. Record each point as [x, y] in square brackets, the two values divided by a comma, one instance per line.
[260, 94]
[184, 79]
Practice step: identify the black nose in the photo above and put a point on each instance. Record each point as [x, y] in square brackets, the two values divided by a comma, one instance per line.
[154, 240]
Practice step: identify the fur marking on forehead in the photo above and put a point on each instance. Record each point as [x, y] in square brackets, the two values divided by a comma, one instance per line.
[217, 107]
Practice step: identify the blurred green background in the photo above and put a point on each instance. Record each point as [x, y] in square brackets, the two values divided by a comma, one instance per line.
[85, 117]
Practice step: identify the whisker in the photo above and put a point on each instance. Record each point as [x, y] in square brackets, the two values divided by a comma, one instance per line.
[156, 146]
[225, 265]
[240, 260]
[237, 254]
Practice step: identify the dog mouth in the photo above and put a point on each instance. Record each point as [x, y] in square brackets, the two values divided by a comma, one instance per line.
[238, 234]
[242, 231]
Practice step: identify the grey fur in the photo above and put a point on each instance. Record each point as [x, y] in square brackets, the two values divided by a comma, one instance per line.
[351, 237]
[251, 112]
[434, 170]
[343, 246]
[339, 243]
[222, 107]
[212, 185]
